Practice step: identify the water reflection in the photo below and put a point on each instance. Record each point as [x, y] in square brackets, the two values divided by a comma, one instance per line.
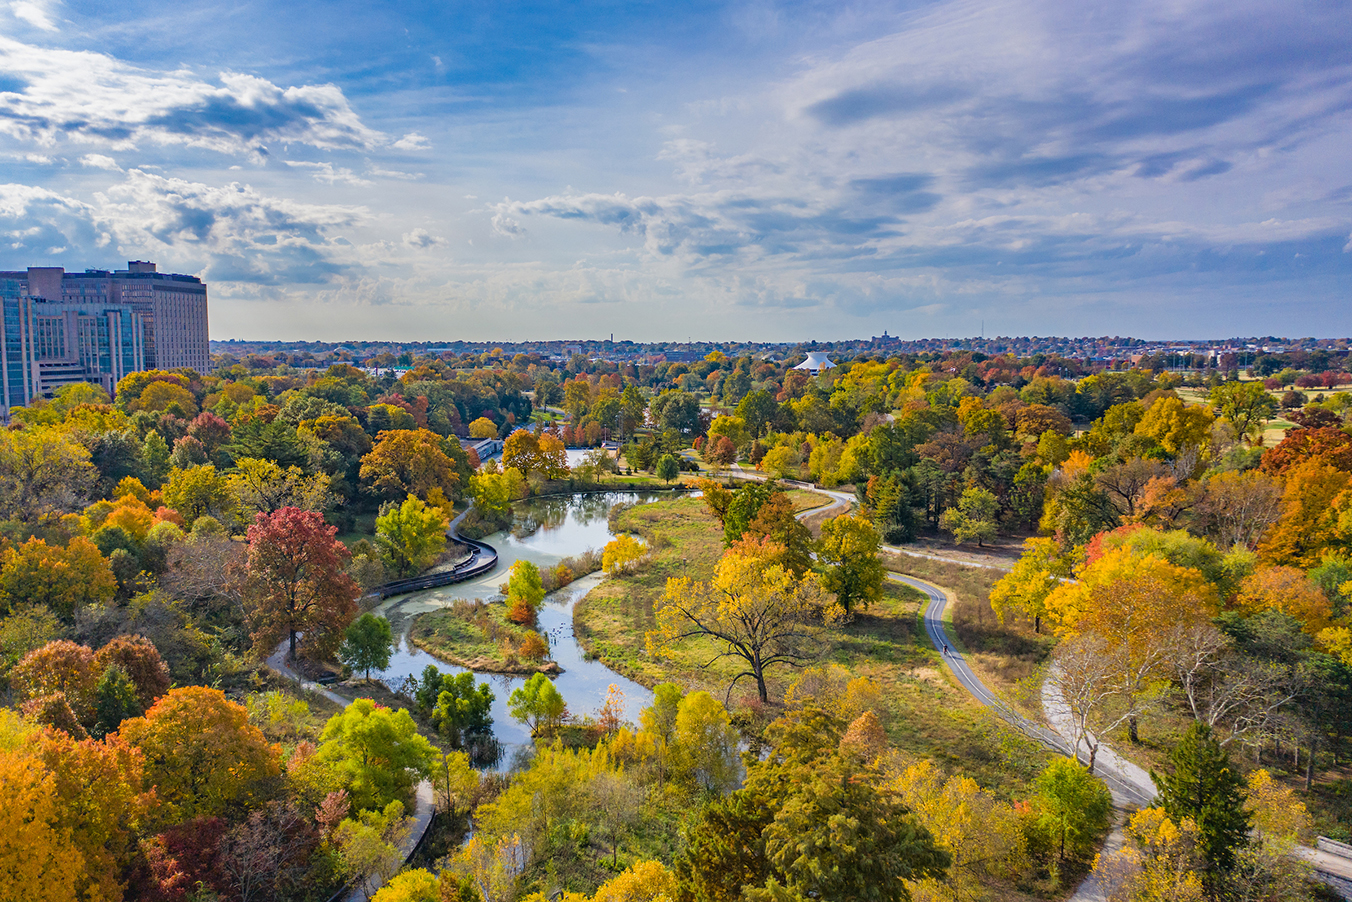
[546, 530]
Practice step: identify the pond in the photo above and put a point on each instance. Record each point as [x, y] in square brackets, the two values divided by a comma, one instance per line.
[546, 530]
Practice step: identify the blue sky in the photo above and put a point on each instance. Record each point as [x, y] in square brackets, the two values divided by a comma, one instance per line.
[759, 170]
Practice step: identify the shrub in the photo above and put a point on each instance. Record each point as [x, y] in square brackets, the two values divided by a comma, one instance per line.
[534, 647]
[521, 613]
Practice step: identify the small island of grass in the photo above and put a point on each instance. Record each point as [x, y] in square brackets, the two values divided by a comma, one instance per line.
[478, 636]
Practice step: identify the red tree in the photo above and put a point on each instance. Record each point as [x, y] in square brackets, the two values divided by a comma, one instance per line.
[1330, 444]
[296, 582]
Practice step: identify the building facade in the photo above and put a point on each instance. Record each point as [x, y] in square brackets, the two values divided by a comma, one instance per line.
[96, 326]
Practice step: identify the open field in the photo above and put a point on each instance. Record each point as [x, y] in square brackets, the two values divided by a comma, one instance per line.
[927, 715]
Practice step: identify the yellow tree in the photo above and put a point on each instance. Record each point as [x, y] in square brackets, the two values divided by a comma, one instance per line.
[63, 579]
[1175, 425]
[1025, 589]
[1162, 862]
[410, 462]
[1289, 590]
[982, 833]
[1310, 509]
[262, 486]
[761, 615]
[1137, 605]
[38, 863]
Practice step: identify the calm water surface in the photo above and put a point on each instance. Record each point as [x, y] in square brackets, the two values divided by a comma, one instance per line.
[546, 530]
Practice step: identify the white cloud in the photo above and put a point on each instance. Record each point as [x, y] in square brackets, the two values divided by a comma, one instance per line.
[505, 225]
[326, 173]
[412, 141]
[377, 172]
[423, 239]
[37, 14]
[99, 161]
[93, 98]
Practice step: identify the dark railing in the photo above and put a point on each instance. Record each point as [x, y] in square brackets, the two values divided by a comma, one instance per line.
[483, 560]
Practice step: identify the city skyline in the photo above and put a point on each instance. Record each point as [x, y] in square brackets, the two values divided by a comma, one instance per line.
[723, 171]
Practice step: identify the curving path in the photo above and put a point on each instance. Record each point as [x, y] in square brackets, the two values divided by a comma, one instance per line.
[424, 805]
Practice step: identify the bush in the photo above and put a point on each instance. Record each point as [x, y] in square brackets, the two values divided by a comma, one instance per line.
[521, 613]
[534, 647]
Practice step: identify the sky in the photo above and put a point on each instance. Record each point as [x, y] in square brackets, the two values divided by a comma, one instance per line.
[789, 171]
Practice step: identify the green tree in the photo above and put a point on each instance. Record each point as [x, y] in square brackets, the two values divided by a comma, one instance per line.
[811, 823]
[379, 753]
[198, 492]
[114, 701]
[1208, 789]
[525, 584]
[973, 518]
[367, 644]
[410, 536]
[668, 468]
[849, 546]
[758, 410]
[1073, 806]
[462, 711]
[537, 704]
[1244, 405]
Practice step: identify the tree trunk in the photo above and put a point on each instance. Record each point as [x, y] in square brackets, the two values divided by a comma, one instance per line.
[1309, 767]
[1131, 731]
[760, 687]
[292, 634]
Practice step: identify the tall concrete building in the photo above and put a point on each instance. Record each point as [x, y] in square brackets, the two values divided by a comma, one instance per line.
[96, 326]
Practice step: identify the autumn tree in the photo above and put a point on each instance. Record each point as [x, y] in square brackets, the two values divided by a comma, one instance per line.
[38, 863]
[1025, 588]
[101, 798]
[200, 491]
[410, 536]
[1134, 603]
[202, 754]
[776, 520]
[410, 462]
[981, 834]
[849, 547]
[296, 582]
[262, 486]
[379, 752]
[523, 451]
[1289, 590]
[483, 428]
[762, 616]
[1238, 508]
[621, 554]
[1309, 521]
[1329, 445]
[43, 474]
[61, 579]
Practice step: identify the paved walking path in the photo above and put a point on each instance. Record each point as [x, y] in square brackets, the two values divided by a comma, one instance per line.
[424, 805]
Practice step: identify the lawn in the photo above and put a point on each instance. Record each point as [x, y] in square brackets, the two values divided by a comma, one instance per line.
[929, 716]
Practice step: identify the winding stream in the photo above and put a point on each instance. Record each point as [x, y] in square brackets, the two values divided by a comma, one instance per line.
[546, 531]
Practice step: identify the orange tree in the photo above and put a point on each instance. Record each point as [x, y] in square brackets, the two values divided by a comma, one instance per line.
[295, 582]
[202, 755]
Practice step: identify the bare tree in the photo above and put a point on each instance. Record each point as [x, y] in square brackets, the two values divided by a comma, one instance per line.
[1085, 676]
[268, 853]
